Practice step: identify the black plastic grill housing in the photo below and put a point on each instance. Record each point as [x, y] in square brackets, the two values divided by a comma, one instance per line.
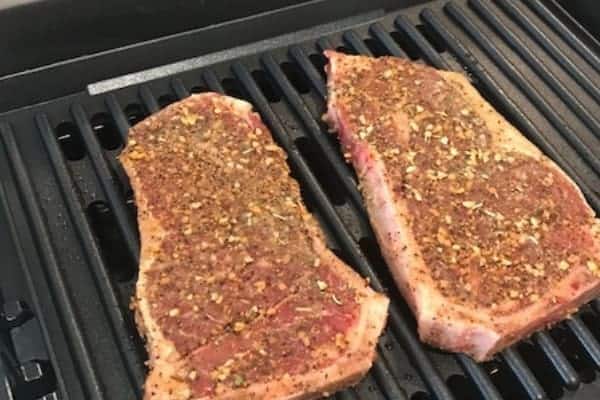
[70, 241]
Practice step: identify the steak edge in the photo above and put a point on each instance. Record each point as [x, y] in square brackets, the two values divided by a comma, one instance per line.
[487, 239]
[237, 295]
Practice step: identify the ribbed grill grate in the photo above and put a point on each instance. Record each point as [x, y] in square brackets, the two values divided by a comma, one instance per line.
[73, 243]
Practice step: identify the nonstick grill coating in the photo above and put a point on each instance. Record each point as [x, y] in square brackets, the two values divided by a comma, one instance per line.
[70, 241]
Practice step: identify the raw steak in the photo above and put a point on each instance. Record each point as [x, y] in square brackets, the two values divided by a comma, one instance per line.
[487, 239]
[237, 296]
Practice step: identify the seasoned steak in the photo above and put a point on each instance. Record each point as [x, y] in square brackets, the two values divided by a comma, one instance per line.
[237, 296]
[487, 239]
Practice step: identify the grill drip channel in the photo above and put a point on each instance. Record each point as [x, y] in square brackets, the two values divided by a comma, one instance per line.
[71, 244]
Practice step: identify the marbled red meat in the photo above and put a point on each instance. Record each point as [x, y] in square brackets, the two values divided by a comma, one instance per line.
[237, 295]
[487, 238]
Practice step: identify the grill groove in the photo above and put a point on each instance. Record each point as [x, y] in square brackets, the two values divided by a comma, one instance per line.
[70, 316]
[537, 65]
[109, 292]
[510, 7]
[501, 97]
[36, 302]
[510, 70]
[555, 23]
[115, 199]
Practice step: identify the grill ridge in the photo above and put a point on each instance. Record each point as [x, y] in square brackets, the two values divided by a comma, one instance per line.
[70, 316]
[377, 30]
[405, 26]
[550, 113]
[293, 98]
[560, 27]
[494, 57]
[494, 90]
[543, 40]
[520, 47]
[134, 362]
[586, 338]
[36, 300]
[101, 167]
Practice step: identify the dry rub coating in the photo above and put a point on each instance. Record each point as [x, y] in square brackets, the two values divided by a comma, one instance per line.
[487, 238]
[237, 296]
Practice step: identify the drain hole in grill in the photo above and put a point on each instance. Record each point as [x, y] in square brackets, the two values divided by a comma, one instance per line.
[307, 198]
[376, 48]
[420, 396]
[346, 50]
[504, 380]
[263, 81]
[591, 320]
[372, 252]
[116, 257]
[575, 353]
[375, 390]
[369, 246]
[232, 88]
[106, 130]
[70, 141]
[540, 366]
[411, 50]
[319, 61]
[198, 89]
[134, 113]
[322, 170]
[463, 388]
[388, 345]
[296, 77]
[165, 100]
[342, 256]
[432, 37]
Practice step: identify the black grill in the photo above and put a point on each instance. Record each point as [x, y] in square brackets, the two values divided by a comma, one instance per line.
[70, 241]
